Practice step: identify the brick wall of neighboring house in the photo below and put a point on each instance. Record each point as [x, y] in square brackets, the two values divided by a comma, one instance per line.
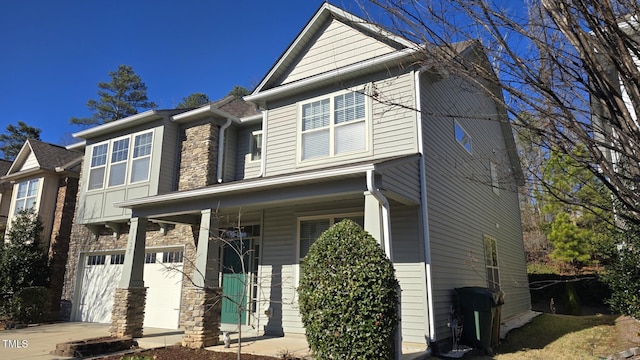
[60, 237]
[198, 156]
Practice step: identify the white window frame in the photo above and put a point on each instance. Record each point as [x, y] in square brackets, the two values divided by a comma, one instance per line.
[366, 120]
[129, 162]
[255, 146]
[491, 265]
[29, 186]
[462, 136]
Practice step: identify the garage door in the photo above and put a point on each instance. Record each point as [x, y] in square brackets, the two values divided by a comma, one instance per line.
[162, 277]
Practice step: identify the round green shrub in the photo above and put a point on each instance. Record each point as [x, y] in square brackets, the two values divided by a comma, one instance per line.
[348, 296]
[31, 305]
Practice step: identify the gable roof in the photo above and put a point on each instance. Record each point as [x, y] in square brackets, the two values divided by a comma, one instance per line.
[314, 28]
[48, 157]
[4, 167]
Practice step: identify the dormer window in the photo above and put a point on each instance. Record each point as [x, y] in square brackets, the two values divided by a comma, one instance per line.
[334, 126]
[112, 160]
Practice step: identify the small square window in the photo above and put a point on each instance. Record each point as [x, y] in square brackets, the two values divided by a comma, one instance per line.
[173, 257]
[96, 260]
[462, 137]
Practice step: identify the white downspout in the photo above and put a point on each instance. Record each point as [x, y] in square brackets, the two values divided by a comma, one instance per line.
[221, 133]
[263, 157]
[425, 211]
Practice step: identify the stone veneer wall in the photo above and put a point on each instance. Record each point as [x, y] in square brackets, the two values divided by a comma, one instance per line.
[128, 309]
[198, 156]
[201, 309]
[60, 237]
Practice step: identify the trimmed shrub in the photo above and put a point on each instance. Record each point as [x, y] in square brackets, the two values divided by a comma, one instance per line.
[348, 296]
[31, 305]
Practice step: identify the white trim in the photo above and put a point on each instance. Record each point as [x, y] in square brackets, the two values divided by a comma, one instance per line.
[191, 114]
[331, 75]
[221, 148]
[350, 170]
[124, 123]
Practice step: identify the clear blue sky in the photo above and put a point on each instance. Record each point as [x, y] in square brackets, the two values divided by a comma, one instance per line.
[53, 53]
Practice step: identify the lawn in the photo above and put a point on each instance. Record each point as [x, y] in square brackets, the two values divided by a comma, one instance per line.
[551, 336]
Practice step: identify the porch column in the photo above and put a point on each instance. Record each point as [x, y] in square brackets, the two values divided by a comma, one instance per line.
[203, 301]
[127, 316]
[373, 217]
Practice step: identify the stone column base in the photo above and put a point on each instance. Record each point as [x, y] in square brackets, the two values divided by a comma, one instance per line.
[127, 317]
[201, 309]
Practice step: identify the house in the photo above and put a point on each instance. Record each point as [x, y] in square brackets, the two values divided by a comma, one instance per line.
[5, 197]
[44, 177]
[177, 207]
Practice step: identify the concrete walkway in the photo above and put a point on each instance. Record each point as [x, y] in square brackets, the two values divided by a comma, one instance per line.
[35, 342]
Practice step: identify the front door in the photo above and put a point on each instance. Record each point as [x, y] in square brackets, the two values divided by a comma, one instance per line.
[235, 280]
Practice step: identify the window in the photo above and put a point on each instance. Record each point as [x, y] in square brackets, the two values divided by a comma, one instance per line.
[491, 261]
[150, 258]
[173, 257]
[462, 137]
[311, 229]
[98, 166]
[333, 126]
[256, 145]
[119, 157]
[27, 195]
[117, 259]
[96, 259]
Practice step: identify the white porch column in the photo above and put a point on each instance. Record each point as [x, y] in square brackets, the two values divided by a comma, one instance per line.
[373, 217]
[206, 264]
[133, 270]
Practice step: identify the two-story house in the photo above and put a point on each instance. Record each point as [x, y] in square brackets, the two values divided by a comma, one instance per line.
[5, 197]
[44, 177]
[348, 123]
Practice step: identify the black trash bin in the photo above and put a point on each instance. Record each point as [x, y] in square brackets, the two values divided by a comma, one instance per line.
[480, 308]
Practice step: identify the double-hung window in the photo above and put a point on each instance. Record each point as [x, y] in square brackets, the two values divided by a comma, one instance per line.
[119, 160]
[26, 195]
[334, 126]
[311, 228]
[256, 145]
[491, 262]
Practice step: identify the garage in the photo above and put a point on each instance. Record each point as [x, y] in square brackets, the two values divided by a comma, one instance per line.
[162, 276]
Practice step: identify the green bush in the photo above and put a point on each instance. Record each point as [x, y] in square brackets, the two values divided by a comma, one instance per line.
[348, 296]
[31, 305]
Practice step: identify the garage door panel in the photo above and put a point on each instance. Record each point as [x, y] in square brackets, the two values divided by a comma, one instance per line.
[98, 286]
[164, 284]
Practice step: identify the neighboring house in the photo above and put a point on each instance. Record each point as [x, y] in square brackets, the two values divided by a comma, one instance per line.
[347, 127]
[44, 177]
[5, 197]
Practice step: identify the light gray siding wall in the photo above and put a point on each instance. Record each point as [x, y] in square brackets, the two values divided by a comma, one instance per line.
[392, 123]
[30, 162]
[403, 180]
[462, 206]
[246, 168]
[408, 258]
[230, 154]
[278, 271]
[167, 160]
[339, 45]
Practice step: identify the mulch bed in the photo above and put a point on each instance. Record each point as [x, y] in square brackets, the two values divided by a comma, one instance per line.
[181, 353]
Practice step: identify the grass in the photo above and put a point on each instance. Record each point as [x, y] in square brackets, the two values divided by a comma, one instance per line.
[551, 336]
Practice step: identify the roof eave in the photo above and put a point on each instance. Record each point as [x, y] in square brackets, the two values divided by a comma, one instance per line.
[120, 124]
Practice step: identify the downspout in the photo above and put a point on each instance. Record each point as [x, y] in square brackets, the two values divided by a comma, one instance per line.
[263, 158]
[221, 133]
[386, 229]
[425, 211]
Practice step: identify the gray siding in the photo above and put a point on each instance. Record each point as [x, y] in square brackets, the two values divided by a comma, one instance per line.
[337, 46]
[230, 154]
[462, 206]
[392, 128]
[278, 271]
[167, 160]
[403, 182]
[246, 168]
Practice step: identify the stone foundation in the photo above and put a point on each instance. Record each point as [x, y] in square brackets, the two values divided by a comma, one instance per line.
[127, 317]
[201, 309]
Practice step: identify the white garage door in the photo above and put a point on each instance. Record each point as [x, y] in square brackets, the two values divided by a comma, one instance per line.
[162, 277]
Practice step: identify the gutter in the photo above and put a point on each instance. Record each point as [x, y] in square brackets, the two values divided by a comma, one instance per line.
[221, 133]
[425, 212]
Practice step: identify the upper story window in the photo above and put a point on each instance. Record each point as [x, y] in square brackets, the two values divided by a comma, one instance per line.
[27, 195]
[116, 159]
[256, 145]
[333, 126]
[462, 137]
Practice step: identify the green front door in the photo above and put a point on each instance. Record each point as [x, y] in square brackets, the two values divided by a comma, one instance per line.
[235, 278]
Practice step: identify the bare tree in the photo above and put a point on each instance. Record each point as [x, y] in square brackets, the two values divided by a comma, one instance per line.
[571, 65]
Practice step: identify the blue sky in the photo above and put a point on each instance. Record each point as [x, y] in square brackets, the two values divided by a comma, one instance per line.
[53, 53]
